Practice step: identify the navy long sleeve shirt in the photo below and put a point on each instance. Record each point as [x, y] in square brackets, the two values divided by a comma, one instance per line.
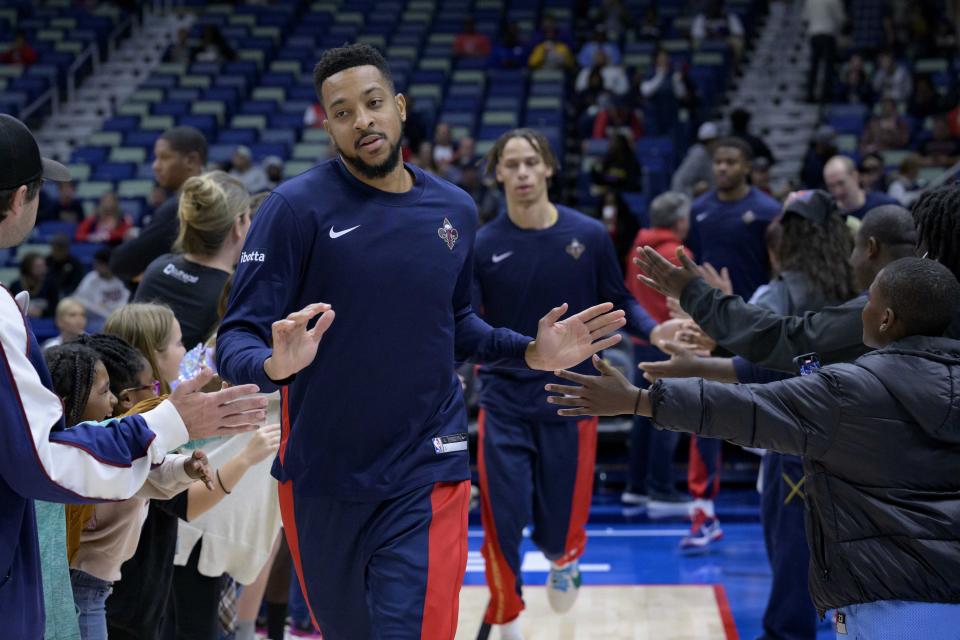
[523, 273]
[366, 420]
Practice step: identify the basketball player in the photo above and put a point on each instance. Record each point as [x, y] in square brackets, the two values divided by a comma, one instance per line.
[373, 463]
[535, 466]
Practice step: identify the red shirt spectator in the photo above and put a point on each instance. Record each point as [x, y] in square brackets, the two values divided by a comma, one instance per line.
[20, 53]
[107, 225]
[619, 117]
[469, 43]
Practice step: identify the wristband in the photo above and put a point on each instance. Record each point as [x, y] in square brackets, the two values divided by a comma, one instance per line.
[220, 480]
[636, 405]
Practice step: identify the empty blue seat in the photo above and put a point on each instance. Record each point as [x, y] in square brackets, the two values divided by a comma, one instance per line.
[263, 149]
[84, 251]
[207, 124]
[282, 120]
[170, 108]
[236, 137]
[259, 107]
[46, 230]
[140, 138]
[90, 155]
[114, 171]
[44, 328]
[121, 123]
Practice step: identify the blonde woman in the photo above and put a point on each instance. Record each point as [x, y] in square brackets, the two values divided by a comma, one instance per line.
[214, 219]
[136, 606]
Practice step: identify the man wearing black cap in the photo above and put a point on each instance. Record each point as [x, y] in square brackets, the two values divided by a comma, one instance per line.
[39, 458]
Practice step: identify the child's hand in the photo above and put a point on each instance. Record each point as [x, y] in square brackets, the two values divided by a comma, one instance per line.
[198, 468]
[264, 443]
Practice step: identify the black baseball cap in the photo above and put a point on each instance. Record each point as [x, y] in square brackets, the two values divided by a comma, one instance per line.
[20, 161]
[815, 205]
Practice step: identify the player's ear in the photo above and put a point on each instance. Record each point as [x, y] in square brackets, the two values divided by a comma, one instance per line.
[401, 106]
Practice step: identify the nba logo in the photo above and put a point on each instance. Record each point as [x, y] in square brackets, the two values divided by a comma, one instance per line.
[438, 445]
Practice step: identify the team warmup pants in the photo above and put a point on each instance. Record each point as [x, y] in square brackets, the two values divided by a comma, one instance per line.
[538, 472]
[389, 570]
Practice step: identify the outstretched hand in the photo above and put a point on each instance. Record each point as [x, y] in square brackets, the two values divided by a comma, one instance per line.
[221, 413]
[609, 394]
[561, 344]
[295, 346]
[198, 467]
[662, 275]
[682, 363]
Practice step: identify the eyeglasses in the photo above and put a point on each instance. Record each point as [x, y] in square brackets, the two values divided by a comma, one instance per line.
[153, 386]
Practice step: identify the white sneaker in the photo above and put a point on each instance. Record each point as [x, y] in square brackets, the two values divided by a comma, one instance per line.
[637, 499]
[563, 586]
[511, 630]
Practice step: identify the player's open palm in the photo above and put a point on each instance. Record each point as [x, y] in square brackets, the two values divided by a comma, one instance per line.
[294, 343]
[561, 344]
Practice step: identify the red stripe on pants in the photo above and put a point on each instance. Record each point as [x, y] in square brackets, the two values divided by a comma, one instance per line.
[505, 604]
[582, 490]
[698, 479]
[450, 502]
[293, 540]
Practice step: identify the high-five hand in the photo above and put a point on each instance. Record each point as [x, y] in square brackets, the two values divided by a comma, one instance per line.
[221, 413]
[295, 346]
[561, 344]
[662, 275]
[609, 394]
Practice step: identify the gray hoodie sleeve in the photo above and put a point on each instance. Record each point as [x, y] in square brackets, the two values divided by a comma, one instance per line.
[797, 416]
[771, 340]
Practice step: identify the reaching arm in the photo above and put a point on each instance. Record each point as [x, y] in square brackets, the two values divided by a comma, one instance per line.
[41, 459]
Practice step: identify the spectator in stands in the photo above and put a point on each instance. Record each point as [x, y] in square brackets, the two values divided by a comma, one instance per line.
[664, 91]
[424, 157]
[214, 219]
[926, 101]
[180, 51]
[66, 208]
[618, 172]
[872, 27]
[179, 153]
[885, 131]
[63, 269]
[906, 187]
[649, 29]
[444, 148]
[71, 320]
[843, 182]
[469, 43]
[891, 80]
[552, 54]
[718, 24]
[101, 292]
[33, 279]
[873, 173]
[613, 76]
[466, 155]
[740, 128]
[213, 47]
[694, 176]
[20, 52]
[549, 30]
[855, 86]
[589, 98]
[760, 175]
[314, 115]
[825, 20]
[618, 117]
[414, 129]
[942, 149]
[510, 51]
[243, 169]
[107, 224]
[822, 148]
[273, 167]
[158, 195]
[599, 42]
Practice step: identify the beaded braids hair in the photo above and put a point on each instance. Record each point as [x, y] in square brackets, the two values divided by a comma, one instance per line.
[72, 367]
[936, 214]
[123, 362]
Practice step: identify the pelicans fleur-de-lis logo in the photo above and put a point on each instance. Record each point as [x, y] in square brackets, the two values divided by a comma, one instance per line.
[575, 249]
[448, 234]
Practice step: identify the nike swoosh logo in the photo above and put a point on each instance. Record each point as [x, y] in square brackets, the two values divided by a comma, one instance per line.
[500, 257]
[337, 234]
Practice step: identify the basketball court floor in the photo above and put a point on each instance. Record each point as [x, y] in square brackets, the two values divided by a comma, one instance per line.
[637, 583]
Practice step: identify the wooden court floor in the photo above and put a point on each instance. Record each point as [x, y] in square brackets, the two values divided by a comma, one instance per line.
[610, 612]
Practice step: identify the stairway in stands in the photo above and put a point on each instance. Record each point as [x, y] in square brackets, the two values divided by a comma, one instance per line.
[773, 88]
[111, 84]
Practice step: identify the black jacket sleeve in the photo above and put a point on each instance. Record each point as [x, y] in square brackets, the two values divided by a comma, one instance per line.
[798, 416]
[132, 257]
[771, 340]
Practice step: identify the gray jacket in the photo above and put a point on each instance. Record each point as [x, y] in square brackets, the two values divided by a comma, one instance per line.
[880, 440]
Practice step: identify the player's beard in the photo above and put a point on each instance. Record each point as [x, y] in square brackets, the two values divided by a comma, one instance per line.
[375, 171]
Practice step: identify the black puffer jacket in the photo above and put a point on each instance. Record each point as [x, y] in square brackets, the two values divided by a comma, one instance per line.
[880, 440]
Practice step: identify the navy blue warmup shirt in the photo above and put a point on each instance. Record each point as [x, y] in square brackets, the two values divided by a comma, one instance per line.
[732, 235]
[379, 411]
[523, 273]
[873, 199]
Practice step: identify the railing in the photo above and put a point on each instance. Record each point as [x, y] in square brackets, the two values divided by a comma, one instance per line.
[51, 96]
[944, 177]
[92, 53]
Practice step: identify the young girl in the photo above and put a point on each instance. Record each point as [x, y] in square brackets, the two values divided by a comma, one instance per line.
[136, 607]
[82, 381]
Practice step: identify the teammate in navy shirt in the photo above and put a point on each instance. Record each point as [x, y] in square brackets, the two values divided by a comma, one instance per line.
[843, 182]
[531, 462]
[373, 463]
[728, 226]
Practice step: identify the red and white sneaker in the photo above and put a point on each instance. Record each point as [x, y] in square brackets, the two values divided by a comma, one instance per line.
[704, 531]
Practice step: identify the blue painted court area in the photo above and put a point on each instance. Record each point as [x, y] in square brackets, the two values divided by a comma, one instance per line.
[626, 547]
